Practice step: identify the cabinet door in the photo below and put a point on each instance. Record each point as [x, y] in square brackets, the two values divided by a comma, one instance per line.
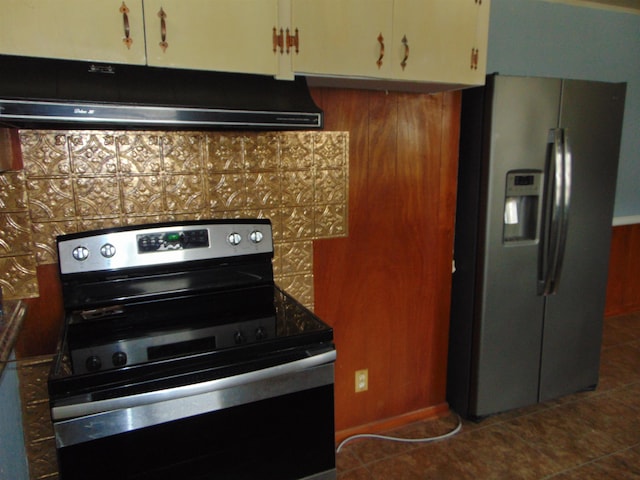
[479, 68]
[343, 37]
[224, 35]
[433, 40]
[74, 29]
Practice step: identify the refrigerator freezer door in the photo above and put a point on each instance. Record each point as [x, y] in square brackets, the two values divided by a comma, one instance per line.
[591, 113]
[508, 319]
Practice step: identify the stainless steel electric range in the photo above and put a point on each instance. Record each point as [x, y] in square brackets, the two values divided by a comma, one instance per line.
[181, 358]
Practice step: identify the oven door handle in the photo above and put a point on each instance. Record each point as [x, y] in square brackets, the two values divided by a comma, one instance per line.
[142, 411]
[63, 412]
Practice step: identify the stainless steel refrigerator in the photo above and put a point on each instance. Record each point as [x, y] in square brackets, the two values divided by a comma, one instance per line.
[536, 186]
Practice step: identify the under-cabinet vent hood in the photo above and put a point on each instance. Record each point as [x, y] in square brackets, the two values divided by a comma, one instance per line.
[37, 93]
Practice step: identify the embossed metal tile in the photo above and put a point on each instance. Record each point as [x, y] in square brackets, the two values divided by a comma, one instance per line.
[261, 152]
[96, 197]
[50, 198]
[296, 150]
[13, 195]
[44, 234]
[224, 153]
[92, 153]
[298, 286]
[183, 152]
[83, 180]
[37, 427]
[139, 153]
[45, 153]
[18, 277]
[16, 236]
[297, 257]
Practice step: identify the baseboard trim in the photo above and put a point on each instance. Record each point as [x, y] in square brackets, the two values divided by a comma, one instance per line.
[394, 422]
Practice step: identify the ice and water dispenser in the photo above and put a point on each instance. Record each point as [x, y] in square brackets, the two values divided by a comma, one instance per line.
[521, 206]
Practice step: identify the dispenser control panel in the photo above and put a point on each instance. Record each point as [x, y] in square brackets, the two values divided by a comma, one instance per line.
[529, 183]
[522, 206]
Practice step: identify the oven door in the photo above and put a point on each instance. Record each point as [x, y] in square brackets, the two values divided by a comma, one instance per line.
[273, 423]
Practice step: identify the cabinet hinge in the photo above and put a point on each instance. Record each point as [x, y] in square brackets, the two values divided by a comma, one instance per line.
[293, 41]
[278, 40]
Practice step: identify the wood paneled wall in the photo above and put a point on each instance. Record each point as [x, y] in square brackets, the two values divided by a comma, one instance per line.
[10, 155]
[386, 288]
[623, 288]
[41, 327]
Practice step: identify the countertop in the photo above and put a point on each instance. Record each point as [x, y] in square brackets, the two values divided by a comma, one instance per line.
[10, 323]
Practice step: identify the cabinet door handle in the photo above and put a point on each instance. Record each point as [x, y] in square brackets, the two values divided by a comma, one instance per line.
[163, 30]
[405, 43]
[124, 10]
[474, 58]
[293, 41]
[278, 40]
[381, 42]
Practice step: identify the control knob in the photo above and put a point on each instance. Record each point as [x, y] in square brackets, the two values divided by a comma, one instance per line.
[93, 363]
[119, 359]
[261, 333]
[234, 239]
[107, 250]
[256, 236]
[239, 338]
[80, 253]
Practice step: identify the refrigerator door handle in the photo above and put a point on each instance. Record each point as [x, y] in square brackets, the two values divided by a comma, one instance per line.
[556, 213]
[566, 204]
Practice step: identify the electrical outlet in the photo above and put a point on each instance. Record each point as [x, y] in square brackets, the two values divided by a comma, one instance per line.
[362, 380]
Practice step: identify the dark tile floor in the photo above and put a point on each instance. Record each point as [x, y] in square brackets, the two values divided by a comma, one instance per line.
[591, 435]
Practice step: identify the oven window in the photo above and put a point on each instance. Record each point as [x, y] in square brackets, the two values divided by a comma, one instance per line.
[285, 438]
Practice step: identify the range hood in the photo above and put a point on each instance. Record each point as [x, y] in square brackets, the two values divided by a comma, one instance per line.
[37, 93]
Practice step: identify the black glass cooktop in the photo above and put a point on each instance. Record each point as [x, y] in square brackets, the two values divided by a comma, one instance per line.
[181, 340]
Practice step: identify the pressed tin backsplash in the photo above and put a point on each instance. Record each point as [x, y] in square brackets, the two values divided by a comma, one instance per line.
[83, 180]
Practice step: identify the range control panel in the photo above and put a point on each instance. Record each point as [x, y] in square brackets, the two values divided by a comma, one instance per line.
[169, 343]
[160, 244]
[164, 241]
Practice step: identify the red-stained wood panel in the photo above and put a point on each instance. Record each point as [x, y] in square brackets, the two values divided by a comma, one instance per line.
[41, 327]
[10, 153]
[446, 224]
[632, 280]
[385, 289]
[623, 287]
[617, 267]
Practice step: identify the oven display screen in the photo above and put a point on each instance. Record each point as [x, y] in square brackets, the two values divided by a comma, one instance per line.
[167, 241]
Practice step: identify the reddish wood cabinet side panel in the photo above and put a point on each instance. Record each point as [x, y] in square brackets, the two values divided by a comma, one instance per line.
[45, 314]
[386, 288]
[623, 287]
[632, 285]
[631, 282]
[617, 262]
[10, 153]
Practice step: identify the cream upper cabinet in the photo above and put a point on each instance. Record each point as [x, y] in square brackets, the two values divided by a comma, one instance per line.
[436, 40]
[479, 61]
[106, 30]
[419, 41]
[422, 41]
[342, 37]
[224, 35]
